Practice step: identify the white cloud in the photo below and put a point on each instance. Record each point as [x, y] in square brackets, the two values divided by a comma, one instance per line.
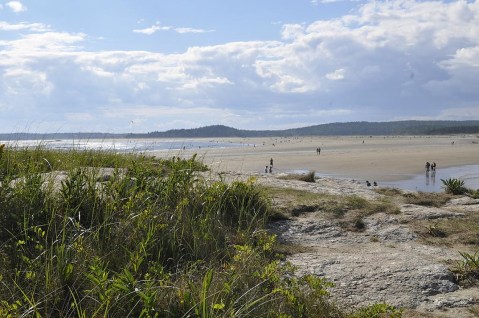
[292, 31]
[48, 42]
[191, 30]
[23, 26]
[16, 6]
[336, 75]
[153, 29]
[386, 60]
[181, 30]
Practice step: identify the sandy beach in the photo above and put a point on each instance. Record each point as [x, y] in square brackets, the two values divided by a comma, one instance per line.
[386, 158]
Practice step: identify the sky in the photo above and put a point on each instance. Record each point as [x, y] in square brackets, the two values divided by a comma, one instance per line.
[154, 65]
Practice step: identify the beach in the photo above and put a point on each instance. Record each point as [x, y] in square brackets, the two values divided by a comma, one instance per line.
[384, 158]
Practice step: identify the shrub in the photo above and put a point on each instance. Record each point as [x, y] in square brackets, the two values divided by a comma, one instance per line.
[309, 177]
[454, 186]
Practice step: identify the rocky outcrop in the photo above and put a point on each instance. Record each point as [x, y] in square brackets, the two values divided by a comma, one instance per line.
[385, 262]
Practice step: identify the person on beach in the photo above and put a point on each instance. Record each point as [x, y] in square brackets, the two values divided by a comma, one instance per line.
[266, 169]
[428, 165]
[271, 169]
[271, 162]
[433, 166]
[319, 151]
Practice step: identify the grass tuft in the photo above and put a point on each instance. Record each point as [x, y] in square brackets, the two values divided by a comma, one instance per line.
[307, 177]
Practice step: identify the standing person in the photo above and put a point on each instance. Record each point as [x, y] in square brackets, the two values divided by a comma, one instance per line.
[271, 162]
[433, 166]
[270, 169]
[266, 169]
[428, 165]
[319, 151]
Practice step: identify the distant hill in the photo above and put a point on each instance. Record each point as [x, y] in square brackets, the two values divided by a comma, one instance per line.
[410, 127]
[334, 129]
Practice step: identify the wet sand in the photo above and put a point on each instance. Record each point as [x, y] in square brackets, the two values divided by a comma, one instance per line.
[360, 157]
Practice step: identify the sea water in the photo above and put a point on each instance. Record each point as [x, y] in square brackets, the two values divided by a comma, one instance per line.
[425, 182]
[124, 145]
[431, 181]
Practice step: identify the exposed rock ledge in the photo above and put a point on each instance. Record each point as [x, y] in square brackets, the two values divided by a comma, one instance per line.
[386, 262]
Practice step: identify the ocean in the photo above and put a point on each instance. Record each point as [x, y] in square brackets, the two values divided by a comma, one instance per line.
[123, 145]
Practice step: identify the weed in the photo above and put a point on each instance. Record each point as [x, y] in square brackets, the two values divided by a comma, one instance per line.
[306, 177]
[454, 186]
[435, 231]
[467, 269]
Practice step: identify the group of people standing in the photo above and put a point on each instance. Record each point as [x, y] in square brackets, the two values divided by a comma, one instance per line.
[270, 167]
[430, 166]
[318, 151]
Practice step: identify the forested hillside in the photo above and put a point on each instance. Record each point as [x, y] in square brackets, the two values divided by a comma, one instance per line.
[409, 127]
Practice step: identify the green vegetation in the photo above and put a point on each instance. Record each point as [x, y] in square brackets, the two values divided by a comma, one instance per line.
[146, 238]
[306, 177]
[467, 269]
[454, 186]
[407, 127]
[378, 311]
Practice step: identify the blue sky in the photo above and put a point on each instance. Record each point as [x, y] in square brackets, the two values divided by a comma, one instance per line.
[140, 66]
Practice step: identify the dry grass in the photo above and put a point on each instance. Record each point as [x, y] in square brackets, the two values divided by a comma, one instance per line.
[449, 232]
[348, 211]
[443, 232]
[427, 199]
[287, 202]
[308, 177]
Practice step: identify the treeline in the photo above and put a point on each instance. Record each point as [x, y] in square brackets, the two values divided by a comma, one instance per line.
[410, 127]
[332, 129]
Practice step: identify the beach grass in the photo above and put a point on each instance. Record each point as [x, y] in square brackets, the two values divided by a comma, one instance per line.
[146, 238]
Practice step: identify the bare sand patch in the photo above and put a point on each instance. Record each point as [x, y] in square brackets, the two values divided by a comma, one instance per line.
[386, 158]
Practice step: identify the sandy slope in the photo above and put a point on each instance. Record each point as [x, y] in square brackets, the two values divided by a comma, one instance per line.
[361, 157]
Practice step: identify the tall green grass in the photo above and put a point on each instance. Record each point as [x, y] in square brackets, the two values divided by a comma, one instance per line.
[152, 238]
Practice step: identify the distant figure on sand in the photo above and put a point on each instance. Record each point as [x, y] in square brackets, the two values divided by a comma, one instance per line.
[433, 166]
[428, 165]
[270, 169]
[271, 162]
[368, 183]
[266, 169]
[318, 151]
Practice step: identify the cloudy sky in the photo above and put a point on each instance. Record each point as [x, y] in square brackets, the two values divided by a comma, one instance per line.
[154, 65]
